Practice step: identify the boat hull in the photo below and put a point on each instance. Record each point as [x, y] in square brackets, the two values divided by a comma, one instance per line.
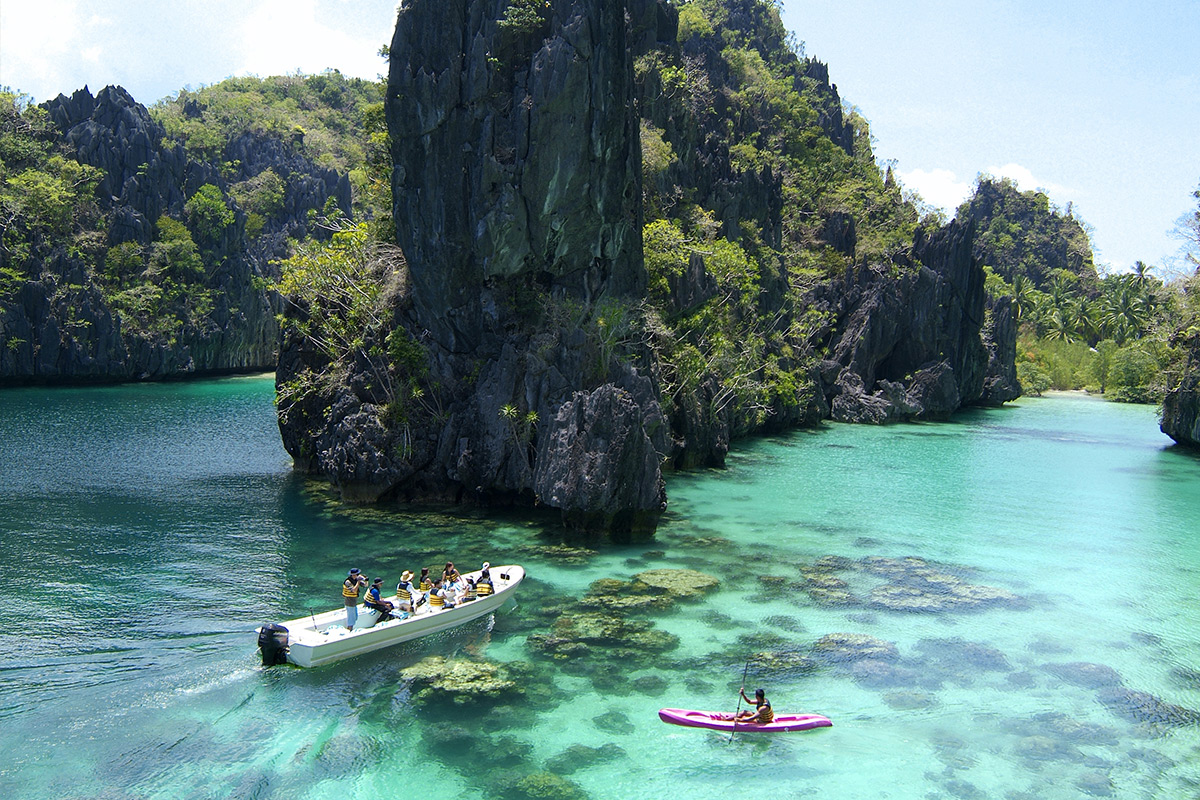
[718, 721]
[323, 638]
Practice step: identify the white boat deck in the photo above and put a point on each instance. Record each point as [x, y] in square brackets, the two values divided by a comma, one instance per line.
[322, 638]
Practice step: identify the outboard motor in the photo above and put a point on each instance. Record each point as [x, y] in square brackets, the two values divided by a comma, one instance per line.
[273, 642]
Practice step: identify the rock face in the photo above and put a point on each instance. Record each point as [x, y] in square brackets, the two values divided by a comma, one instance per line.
[1181, 410]
[518, 205]
[515, 157]
[517, 186]
[60, 327]
[911, 347]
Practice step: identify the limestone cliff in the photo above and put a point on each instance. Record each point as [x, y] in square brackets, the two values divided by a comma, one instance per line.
[1181, 405]
[531, 357]
[75, 319]
[517, 205]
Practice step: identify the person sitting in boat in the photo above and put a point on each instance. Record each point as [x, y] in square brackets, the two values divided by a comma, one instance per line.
[374, 600]
[353, 584]
[484, 585]
[439, 598]
[425, 583]
[469, 593]
[763, 713]
[408, 597]
[450, 574]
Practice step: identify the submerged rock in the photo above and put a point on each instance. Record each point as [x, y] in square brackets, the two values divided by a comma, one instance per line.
[1138, 706]
[882, 674]
[580, 756]
[1045, 748]
[845, 648]
[910, 701]
[614, 596]
[1075, 730]
[540, 786]
[931, 591]
[576, 634]
[1097, 783]
[684, 584]
[473, 748]
[965, 656]
[1089, 676]
[779, 663]
[614, 722]
[436, 678]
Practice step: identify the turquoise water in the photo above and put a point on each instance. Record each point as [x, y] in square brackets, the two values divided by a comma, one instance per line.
[146, 530]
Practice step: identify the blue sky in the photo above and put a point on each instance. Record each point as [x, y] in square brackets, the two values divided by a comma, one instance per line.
[1094, 102]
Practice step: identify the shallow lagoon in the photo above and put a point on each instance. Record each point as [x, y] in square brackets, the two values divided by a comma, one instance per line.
[169, 517]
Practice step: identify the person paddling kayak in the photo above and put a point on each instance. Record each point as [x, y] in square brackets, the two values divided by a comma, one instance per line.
[762, 713]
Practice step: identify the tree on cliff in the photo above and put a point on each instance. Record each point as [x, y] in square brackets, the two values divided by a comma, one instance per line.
[1021, 234]
[47, 198]
[1187, 229]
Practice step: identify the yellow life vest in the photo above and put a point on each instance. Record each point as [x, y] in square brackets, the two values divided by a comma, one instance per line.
[765, 714]
[426, 585]
[484, 589]
[347, 591]
[436, 600]
[402, 592]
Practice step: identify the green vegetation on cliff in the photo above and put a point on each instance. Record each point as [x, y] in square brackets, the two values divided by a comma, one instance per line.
[1113, 334]
[134, 243]
[734, 97]
[333, 121]
[47, 198]
[51, 215]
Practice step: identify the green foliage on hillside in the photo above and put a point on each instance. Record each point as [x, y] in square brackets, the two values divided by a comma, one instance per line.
[745, 97]
[524, 17]
[339, 294]
[1115, 334]
[1021, 234]
[48, 209]
[208, 214]
[334, 121]
[159, 292]
[47, 198]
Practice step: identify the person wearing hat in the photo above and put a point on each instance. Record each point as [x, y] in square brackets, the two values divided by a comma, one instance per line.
[762, 713]
[483, 586]
[374, 600]
[407, 595]
[353, 584]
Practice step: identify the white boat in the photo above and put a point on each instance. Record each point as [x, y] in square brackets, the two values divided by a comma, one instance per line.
[323, 638]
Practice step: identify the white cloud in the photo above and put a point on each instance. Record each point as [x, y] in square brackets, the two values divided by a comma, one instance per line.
[35, 40]
[154, 48]
[1026, 181]
[938, 187]
[285, 35]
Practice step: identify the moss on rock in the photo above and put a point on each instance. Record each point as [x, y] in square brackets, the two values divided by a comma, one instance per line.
[463, 681]
[678, 583]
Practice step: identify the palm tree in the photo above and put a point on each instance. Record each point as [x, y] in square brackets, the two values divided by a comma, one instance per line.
[1060, 292]
[1079, 315]
[1024, 299]
[1058, 326]
[1125, 312]
[1141, 273]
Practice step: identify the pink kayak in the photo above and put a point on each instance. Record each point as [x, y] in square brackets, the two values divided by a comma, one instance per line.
[718, 721]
